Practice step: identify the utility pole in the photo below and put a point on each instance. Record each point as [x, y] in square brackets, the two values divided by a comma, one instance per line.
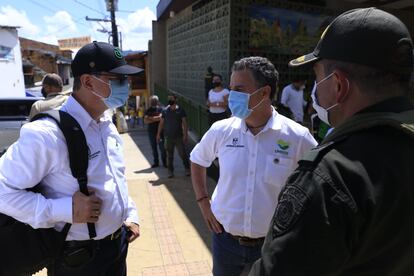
[111, 6]
[113, 23]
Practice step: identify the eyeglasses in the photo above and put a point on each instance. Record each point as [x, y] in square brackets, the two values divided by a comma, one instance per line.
[113, 77]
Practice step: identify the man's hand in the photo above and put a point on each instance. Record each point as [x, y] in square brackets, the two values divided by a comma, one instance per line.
[209, 217]
[85, 208]
[133, 230]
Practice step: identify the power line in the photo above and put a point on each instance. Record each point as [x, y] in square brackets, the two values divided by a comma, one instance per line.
[125, 11]
[77, 20]
[64, 27]
[42, 6]
[88, 7]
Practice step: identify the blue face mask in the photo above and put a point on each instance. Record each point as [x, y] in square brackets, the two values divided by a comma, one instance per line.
[118, 93]
[239, 103]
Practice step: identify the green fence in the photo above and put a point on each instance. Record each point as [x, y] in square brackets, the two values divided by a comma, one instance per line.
[197, 115]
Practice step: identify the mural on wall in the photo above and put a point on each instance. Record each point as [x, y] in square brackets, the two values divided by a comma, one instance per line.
[285, 31]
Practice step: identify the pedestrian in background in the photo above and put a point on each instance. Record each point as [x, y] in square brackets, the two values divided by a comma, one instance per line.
[40, 156]
[140, 115]
[292, 97]
[348, 208]
[257, 149]
[174, 124]
[208, 81]
[152, 118]
[52, 91]
[217, 101]
[132, 119]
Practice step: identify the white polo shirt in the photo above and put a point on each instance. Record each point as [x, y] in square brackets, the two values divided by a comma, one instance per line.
[293, 99]
[41, 155]
[253, 169]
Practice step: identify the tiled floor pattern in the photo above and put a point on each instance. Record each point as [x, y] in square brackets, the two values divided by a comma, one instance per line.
[174, 263]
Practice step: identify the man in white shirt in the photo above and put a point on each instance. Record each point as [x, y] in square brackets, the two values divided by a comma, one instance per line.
[40, 155]
[292, 97]
[257, 149]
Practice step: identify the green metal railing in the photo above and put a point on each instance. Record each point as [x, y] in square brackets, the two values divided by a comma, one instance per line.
[197, 114]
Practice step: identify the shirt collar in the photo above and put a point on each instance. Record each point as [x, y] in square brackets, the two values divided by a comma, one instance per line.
[273, 122]
[73, 107]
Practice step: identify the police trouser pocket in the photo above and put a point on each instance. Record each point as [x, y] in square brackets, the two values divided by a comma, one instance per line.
[78, 253]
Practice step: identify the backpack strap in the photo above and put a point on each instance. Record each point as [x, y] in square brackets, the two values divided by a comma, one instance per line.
[77, 149]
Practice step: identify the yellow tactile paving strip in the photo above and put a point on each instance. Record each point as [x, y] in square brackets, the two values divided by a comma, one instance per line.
[171, 251]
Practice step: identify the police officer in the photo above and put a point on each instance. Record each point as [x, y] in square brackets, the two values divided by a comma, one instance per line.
[40, 155]
[348, 209]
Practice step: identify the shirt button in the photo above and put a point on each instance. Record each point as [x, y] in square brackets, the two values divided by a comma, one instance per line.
[251, 172]
[253, 155]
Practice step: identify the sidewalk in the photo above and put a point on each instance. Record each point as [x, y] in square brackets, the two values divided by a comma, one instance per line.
[174, 239]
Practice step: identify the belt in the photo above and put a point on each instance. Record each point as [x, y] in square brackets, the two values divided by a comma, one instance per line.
[114, 236]
[246, 241]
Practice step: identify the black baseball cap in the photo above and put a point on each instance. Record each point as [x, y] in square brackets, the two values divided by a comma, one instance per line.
[98, 57]
[368, 36]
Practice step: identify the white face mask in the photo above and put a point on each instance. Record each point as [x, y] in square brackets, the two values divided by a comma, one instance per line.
[322, 112]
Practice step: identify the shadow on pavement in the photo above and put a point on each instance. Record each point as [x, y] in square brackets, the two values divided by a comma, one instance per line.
[179, 186]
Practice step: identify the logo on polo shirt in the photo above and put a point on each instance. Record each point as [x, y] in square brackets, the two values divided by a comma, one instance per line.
[282, 147]
[235, 143]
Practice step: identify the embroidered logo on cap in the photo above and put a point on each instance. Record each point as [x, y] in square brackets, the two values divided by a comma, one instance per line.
[118, 53]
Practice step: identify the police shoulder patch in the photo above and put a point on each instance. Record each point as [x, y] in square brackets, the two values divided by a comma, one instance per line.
[292, 203]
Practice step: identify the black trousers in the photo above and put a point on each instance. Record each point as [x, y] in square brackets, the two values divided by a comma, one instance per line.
[109, 259]
[170, 144]
[214, 117]
[153, 142]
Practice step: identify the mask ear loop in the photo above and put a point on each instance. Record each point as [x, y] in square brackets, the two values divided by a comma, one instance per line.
[251, 109]
[347, 81]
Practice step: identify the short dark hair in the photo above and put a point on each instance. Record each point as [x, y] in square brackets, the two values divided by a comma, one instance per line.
[375, 83]
[172, 94]
[77, 84]
[53, 80]
[219, 76]
[263, 71]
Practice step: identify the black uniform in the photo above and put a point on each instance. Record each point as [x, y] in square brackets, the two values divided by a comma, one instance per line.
[350, 209]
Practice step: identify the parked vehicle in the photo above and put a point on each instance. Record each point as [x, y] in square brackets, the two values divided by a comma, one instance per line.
[14, 112]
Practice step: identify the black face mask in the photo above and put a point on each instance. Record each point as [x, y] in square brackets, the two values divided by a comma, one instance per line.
[216, 84]
[171, 102]
[43, 92]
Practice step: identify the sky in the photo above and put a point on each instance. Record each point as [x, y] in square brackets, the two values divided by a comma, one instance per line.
[50, 20]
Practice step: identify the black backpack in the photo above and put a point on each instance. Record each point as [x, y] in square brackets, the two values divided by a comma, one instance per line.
[26, 250]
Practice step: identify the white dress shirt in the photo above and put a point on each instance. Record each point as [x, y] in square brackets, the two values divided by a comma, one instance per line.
[293, 99]
[41, 155]
[253, 169]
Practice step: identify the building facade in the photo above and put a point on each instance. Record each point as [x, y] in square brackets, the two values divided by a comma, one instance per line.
[189, 36]
[40, 58]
